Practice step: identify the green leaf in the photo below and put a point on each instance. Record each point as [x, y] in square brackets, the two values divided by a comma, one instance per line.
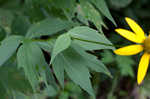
[50, 91]
[58, 67]
[107, 57]
[25, 59]
[101, 5]
[67, 7]
[6, 18]
[90, 13]
[19, 95]
[64, 95]
[48, 26]
[91, 61]
[8, 47]
[71, 87]
[90, 39]
[14, 78]
[3, 90]
[125, 65]
[34, 10]
[20, 25]
[62, 43]
[57, 63]
[47, 45]
[50, 78]
[31, 59]
[76, 69]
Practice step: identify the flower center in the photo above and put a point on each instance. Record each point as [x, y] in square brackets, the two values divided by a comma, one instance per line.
[146, 45]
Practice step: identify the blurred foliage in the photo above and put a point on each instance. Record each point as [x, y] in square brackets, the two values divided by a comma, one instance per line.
[62, 49]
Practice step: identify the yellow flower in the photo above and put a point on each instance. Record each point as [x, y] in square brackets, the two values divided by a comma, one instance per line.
[142, 44]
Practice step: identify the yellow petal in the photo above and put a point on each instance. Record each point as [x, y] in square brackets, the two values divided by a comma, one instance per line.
[143, 66]
[129, 50]
[129, 35]
[149, 34]
[136, 28]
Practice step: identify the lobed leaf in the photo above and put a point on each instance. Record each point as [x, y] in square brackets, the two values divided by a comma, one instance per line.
[8, 47]
[90, 39]
[101, 5]
[125, 65]
[31, 59]
[76, 69]
[28, 61]
[48, 26]
[91, 61]
[62, 43]
[58, 67]
[90, 13]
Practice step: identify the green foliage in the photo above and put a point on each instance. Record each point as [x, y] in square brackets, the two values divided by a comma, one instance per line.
[125, 65]
[76, 70]
[90, 39]
[101, 5]
[13, 79]
[91, 61]
[8, 47]
[90, 13]
[55, 48]
[46, 27]
[26, 58]
[62, 43]
[58, 67]
[67, 52]
[20, 25]
[66, 43]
